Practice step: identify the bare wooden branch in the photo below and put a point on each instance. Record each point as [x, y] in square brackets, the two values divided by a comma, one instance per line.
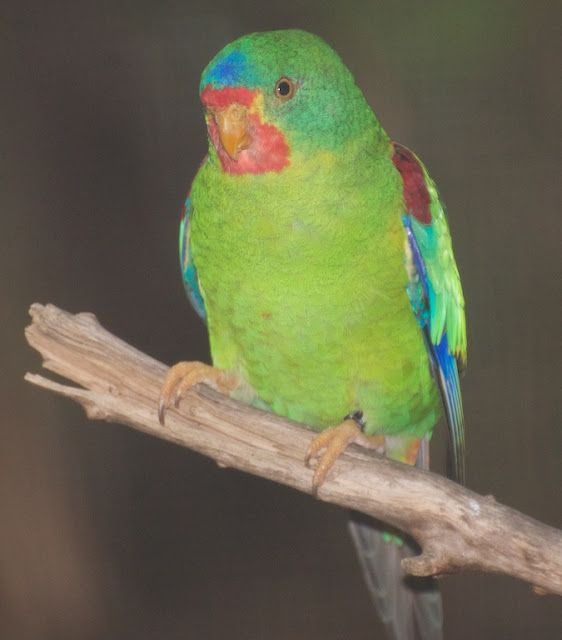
[457, 529]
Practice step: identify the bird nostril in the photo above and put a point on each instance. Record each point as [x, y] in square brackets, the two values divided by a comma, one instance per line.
[235, 115]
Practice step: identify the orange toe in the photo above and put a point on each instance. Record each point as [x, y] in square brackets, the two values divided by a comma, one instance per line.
[184, 375]
[334, 441]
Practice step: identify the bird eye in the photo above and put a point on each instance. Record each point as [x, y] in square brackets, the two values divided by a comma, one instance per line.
[285, 89]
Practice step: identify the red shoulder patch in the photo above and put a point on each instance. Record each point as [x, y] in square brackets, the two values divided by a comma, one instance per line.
[416, 195]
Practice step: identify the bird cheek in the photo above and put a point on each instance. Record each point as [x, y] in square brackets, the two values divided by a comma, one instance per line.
[213, 131]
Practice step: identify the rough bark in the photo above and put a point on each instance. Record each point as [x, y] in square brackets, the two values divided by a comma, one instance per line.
[456, 529]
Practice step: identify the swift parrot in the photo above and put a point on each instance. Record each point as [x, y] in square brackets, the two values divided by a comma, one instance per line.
[318, 253]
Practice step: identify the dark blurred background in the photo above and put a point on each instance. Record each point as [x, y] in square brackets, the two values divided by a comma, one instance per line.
[107, 533]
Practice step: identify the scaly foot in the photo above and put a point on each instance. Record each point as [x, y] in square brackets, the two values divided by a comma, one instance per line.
[335, 441]
[185, 375]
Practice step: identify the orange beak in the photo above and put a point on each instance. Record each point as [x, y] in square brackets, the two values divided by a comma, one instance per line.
[233, 129]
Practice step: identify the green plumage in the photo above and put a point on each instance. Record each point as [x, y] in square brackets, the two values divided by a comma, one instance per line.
[319, 254]
[306, 296]
[303, 271]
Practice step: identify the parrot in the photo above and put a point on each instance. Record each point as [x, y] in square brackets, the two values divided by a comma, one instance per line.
[318, 253]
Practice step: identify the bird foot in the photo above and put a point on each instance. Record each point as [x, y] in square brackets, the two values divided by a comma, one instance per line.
[334, 441]
[184, 375]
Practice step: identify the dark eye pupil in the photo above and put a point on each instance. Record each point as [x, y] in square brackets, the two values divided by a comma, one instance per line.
[283, 88]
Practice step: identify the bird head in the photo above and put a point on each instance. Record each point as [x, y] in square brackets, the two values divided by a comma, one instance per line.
[274, 98]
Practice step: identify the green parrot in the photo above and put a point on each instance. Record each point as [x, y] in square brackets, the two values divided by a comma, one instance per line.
[318, 253]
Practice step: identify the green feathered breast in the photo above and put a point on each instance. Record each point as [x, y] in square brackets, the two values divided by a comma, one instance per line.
[303, 278]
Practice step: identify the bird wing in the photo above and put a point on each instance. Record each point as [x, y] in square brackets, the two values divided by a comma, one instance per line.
[435, 292]
[188, 270]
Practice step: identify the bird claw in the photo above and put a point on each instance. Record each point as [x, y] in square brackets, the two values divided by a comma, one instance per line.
[334, 441]
[184, 375]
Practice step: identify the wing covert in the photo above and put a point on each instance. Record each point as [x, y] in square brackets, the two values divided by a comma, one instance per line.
[188, 270]
[435, 292]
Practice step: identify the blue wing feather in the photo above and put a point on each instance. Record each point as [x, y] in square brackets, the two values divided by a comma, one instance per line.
[442, 357]
[188, 270]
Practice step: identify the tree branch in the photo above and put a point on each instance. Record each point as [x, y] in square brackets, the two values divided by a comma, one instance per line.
[456, 528]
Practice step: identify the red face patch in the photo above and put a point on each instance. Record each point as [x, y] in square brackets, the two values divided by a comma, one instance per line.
[268, 150]
[221, 98]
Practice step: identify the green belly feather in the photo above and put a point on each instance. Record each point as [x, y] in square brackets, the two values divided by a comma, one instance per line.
[306, 295]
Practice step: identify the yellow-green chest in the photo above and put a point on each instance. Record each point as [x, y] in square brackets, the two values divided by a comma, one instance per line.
[304, 286]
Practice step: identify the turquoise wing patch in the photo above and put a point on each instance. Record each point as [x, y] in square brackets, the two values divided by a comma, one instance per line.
[435, 293]
[188, 270]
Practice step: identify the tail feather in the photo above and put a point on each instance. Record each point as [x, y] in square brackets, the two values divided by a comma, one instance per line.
[410, 608]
